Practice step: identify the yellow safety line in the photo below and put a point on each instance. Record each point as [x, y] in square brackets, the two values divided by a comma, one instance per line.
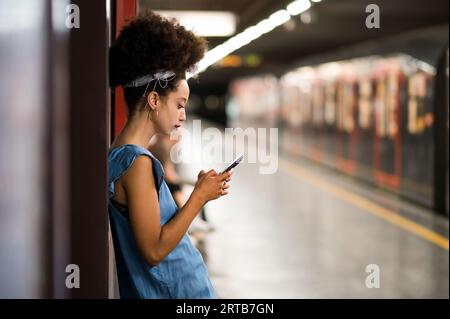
[368, 206]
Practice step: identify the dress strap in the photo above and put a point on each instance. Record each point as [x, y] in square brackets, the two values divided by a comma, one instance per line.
[122, 157]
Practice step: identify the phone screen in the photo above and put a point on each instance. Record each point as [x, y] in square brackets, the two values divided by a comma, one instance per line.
[233, 164]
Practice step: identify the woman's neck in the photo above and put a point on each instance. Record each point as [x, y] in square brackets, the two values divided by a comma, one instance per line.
[138, 130]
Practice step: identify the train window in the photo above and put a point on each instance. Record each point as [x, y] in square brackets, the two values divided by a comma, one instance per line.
[392, 104]
[305, 101]
[285, 101]
[291, 102]
[365, 103]
[386, 105]
[330, 101]
[317, 103]
[345, 98]
[379, 108]
[416, 103]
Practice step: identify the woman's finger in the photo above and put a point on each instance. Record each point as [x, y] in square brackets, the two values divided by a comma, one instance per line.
[224, 176]
[201, 173]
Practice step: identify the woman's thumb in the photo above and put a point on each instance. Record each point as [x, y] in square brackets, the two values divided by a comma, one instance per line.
[201, 173]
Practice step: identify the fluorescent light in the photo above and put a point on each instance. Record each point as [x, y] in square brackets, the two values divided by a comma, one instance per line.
[265, 26]
[297, 7]
[204, 23]
[272, 22]
[252, 33]
[279, 17]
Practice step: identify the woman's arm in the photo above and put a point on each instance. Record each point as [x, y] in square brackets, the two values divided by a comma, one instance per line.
[156, 242]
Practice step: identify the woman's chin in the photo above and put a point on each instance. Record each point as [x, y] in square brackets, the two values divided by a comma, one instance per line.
[175, 134]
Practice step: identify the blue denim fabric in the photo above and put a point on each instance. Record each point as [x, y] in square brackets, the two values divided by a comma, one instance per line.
[182, 274]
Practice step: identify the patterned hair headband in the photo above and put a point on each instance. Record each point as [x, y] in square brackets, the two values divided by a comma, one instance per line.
[162, 78]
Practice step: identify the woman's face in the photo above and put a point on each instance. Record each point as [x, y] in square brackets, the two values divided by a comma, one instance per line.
[172, 110]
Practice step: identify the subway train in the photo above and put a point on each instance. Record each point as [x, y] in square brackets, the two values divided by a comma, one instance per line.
[377, 111]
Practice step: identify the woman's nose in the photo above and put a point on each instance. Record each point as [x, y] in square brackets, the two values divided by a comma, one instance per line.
[182, 115]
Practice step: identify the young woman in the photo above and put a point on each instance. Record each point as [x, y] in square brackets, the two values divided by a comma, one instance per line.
[154, 256]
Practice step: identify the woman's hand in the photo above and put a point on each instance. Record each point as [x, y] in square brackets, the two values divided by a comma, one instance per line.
[211, 185]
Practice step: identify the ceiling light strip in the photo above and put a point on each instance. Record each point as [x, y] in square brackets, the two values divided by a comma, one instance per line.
[248, 35]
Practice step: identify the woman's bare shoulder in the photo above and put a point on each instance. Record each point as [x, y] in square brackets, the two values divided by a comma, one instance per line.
[139, 173]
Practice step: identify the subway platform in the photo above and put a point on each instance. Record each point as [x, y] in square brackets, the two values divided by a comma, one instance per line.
[310, 232]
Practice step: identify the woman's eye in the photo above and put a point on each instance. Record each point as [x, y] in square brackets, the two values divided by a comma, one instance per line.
[180, 106]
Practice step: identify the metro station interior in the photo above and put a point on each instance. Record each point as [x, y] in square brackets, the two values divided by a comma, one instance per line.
[340, 109]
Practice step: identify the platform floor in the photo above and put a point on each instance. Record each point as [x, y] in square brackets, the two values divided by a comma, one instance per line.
[309, 232]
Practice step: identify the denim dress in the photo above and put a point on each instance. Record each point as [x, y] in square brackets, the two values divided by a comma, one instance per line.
[182, 273]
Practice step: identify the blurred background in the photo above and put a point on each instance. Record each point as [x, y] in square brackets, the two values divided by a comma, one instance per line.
[357, 91]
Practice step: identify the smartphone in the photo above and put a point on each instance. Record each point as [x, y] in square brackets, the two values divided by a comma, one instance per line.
[233, 164]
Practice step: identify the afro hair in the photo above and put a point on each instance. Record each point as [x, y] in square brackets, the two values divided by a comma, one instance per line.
[150, 43]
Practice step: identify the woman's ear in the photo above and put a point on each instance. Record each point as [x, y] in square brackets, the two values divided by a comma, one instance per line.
[153, 100]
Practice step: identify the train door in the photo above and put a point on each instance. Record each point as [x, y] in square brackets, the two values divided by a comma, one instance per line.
[418, 147]
[365, 93]
[387, 144]
[305, 105]
[317, 120]
[329, 126]
[345, 124]
[290, 113]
